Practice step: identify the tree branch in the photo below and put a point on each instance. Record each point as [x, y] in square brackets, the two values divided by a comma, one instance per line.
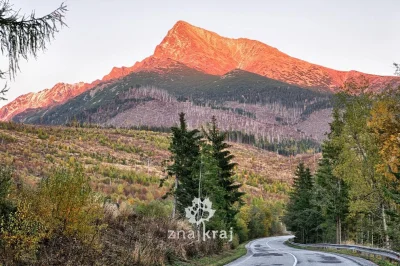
[23, 36]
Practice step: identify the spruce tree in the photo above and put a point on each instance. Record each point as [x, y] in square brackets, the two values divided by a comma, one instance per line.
[185, 152]
[208, 172]
[331, 192]
[301, 217]
[223, 157]
[331, 196]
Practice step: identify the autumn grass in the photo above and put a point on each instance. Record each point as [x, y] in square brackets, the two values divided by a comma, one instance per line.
[221, 259]
[126, 164]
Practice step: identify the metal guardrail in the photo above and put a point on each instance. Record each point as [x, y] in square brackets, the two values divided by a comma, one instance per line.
[390, 255]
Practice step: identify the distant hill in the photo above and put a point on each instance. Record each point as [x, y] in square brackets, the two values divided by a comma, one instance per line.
[240, 100]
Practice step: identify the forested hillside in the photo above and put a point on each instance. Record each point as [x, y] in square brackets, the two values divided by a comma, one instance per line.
[353, 197]
[270, 113]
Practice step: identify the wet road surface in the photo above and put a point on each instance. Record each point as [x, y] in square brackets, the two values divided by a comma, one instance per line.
[272, 251]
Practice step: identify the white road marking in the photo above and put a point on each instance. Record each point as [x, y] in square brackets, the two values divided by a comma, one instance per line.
[294, 257]
[240, 262]
[250, 246]
[268, 244]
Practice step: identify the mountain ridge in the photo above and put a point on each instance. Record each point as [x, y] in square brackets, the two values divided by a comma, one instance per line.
[213, 54]
[58, 94]
[210, 53]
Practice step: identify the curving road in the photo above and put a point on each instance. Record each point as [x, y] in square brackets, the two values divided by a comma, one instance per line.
[272, 251]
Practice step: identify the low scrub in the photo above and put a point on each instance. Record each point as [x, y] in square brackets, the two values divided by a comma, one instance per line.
[62, 222]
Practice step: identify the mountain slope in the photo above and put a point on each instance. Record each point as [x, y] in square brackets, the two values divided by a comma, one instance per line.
[207, 52]
[59, 94]
[182, 83]
[241, 101]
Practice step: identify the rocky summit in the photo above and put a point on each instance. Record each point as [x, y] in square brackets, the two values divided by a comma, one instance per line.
[212, 54]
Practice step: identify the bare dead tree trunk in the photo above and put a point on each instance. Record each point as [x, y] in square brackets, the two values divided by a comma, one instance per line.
[338, 230]
[174, 206]
[339, 221]
[385, 227]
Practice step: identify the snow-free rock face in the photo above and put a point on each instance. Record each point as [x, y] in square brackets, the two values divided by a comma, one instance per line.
[59, 94]
[207, 51]
[213, 54]
[210, 53]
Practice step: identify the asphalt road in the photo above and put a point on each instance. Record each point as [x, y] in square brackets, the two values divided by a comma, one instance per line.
[272, 252]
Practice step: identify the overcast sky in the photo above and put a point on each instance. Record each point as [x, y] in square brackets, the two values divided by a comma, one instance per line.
[341, 34]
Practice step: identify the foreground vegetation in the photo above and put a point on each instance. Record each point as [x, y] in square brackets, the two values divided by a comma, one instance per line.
[62, 221]
[354, 195]
[93, 195]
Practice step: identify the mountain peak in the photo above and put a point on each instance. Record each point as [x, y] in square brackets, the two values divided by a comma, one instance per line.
[197, 48]
[189, 46]
[183, 28]
[181, 23]
[211, 53]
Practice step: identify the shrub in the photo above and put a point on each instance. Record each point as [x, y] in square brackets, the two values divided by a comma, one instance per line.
[4, 139]
[69, 204]
[21, 233]
[42, 135]
[154, 209]
[143, 240]
[62, 207]
[6, 207]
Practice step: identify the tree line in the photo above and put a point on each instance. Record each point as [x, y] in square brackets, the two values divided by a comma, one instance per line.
[354, 195]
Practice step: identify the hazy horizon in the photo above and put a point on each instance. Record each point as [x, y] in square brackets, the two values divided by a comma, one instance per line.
[343, 35]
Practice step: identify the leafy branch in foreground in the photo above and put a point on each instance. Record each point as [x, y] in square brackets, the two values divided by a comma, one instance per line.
[3, 91]
[397, 71]
[24, 36]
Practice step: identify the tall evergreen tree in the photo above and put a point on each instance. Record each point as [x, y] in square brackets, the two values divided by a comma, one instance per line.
[223, 157]
[185, 152]
[208, 172]
[301, 217]
[331, 192]
[331, 196]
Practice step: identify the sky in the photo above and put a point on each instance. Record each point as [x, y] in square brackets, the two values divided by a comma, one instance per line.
[358, 35]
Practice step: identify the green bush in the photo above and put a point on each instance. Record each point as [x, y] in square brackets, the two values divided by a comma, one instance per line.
[6, 206]
[62, 206]
[155, 208]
